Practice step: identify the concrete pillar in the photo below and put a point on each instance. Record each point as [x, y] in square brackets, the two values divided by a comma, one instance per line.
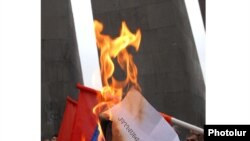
[60, 63]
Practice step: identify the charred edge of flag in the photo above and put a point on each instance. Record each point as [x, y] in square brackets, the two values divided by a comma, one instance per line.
[238, 132]
[106, 126]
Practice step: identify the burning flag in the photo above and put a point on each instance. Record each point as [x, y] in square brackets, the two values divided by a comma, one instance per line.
[113, 114]
[132, 118]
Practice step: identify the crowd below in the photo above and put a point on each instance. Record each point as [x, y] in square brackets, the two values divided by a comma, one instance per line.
[53, 138]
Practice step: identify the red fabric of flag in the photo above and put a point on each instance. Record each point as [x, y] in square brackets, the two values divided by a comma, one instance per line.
[85, 121]
[68, 120]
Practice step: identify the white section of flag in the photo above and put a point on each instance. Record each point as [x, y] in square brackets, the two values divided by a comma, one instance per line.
[134, 119]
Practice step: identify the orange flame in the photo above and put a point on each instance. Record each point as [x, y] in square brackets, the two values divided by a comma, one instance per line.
[112, 91]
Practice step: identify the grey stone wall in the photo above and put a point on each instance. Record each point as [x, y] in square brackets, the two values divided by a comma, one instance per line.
[61, 68]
